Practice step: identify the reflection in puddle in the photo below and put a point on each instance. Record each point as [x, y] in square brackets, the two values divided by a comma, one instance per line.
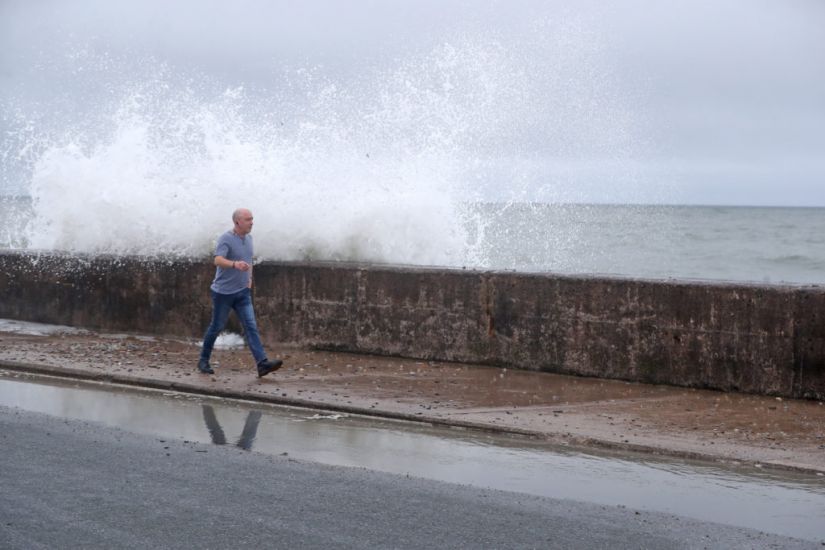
[250, 428]
[785, 503]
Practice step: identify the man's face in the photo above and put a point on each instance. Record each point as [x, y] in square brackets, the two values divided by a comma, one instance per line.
[243, 224]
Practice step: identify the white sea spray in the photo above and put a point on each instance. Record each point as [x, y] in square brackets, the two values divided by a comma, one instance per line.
[141, 157]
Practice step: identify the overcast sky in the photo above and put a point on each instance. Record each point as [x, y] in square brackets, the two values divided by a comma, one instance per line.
[709, 102]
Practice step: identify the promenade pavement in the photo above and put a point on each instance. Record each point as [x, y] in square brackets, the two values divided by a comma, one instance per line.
[762, 430]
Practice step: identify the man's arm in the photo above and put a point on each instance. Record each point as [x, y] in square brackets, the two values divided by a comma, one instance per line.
[220, 261]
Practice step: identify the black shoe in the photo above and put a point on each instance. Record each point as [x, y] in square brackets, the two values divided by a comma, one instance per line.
[203, 366]
[266, 366]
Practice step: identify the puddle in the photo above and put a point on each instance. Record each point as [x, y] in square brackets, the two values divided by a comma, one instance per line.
[37, 329]
[784, 503]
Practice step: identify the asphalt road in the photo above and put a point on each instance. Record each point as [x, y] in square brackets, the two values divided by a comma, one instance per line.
[71, 484]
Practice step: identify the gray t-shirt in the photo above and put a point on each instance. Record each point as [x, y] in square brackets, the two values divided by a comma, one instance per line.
[233, 248]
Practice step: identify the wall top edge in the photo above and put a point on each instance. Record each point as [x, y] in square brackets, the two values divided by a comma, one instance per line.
[379, 267]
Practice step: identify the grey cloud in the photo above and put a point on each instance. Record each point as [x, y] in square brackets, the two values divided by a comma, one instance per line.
[690, 85]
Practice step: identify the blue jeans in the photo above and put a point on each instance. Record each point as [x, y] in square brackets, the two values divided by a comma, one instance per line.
[241, 302]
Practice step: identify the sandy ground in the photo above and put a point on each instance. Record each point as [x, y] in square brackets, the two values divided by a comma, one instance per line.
[734, 427]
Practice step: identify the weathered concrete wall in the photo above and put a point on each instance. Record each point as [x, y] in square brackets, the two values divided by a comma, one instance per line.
[121, 294]
[752, 338]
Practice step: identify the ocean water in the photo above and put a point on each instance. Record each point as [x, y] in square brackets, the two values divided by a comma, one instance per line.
[762, 244]
[731, 243]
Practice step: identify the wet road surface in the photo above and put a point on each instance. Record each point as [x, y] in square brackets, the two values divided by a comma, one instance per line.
[69, 484]
[778, 502]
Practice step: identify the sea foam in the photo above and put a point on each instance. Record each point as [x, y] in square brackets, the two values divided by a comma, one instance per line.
[372, 172]
[377, 167]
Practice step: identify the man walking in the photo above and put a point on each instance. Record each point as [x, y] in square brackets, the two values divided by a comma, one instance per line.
[231, 289]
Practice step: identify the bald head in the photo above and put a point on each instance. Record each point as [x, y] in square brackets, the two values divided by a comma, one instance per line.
[236, 215]
[242, 218]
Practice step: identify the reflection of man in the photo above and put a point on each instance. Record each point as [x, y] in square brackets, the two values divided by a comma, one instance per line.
[231, 289]
[250, 428]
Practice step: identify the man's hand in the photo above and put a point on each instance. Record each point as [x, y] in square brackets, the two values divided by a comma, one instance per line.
[241, 266]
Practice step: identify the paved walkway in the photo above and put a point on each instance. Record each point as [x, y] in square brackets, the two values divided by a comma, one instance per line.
[565, 409]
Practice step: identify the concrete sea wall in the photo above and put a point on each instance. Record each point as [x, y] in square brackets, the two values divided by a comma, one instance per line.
[753, 338]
